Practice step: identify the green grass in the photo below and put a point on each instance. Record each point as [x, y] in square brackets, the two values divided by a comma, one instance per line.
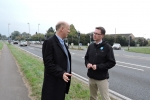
[145, 50]
[1, 45]
[33, 71]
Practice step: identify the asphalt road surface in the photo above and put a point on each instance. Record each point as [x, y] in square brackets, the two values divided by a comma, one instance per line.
[130, 77]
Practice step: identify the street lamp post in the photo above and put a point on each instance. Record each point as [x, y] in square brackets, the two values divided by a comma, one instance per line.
[9, 34]
[143, 40]
[90, 38]
[29, 27]
[8, 29]
[115, 35]
[29, 33]
[38, 31]
[78, 39]
[129, 42]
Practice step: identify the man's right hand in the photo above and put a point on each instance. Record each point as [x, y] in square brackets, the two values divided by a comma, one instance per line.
[89, 65]
[65, 77]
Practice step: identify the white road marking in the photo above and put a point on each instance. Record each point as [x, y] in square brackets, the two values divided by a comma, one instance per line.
[139, 57]
[72, 53]
[130, 67]
[31, 48]
[133, 64]
[82, 57]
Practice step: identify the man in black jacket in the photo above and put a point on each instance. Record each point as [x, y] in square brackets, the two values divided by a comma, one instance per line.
[57, 62]
[99, 59]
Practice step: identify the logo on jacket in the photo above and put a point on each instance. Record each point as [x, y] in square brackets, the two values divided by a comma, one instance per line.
[101, 48]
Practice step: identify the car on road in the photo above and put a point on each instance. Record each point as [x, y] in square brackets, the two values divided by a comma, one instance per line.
[116, 46]
[15, 42]
[23, 43]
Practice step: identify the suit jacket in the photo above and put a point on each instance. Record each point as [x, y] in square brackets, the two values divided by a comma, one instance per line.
[55, 65]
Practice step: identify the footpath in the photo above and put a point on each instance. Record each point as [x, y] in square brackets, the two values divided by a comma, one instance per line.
[12, 86]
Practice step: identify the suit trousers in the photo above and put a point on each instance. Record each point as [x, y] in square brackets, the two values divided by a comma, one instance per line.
[102, 86]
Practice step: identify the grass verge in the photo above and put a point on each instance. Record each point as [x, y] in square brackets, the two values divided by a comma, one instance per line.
[32, 69]
[1, 45]
[145, 50]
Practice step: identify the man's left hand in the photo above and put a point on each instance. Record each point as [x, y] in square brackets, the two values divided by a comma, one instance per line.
[94, 67]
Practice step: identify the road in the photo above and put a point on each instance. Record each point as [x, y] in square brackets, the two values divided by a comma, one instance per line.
[130, 77]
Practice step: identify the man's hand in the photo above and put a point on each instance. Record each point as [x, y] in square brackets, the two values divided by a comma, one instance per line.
[94, 67]
[65, 77]
[89, 65]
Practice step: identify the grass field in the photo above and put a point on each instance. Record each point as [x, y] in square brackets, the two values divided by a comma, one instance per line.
[33, 71]
[1, 45]
[145, 50]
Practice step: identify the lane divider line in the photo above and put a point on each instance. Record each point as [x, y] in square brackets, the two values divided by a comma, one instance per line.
[130, 67]
[133, 64]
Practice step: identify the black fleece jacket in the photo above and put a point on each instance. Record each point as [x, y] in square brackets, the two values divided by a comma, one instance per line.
[103, 57]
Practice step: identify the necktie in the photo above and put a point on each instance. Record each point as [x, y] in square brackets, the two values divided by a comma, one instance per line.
[66, 52]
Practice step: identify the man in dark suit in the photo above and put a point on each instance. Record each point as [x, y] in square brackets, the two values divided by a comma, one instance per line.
[57, 62]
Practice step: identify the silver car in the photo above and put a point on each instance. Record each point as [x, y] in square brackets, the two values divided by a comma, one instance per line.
[23, 43]
[116, 46]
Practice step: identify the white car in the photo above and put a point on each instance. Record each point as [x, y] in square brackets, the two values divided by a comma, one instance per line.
[23, 43]
[15, 42]
[116, 46]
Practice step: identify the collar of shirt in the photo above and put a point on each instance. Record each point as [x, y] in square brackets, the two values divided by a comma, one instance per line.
[60, 40]
[99, 42]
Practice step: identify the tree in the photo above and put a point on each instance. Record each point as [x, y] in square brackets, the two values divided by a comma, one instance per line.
[49, 34]
[50, 30]
[72, 37]
[15, 34]
[0, 36]
[142, 41]
[4, 37]
[110, 39]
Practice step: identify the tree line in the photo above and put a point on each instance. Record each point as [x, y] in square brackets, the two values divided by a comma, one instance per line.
[73, 37]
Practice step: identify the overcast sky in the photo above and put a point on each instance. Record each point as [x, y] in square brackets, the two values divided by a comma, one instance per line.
[127, 16]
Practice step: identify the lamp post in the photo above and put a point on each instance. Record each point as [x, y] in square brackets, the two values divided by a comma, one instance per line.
[129, 42]
[29, 27]
[143, 40]
[8, 29]
[29, 33]
[38, 31]
[115, 35]
[90, 37]
[78, 39]
[9, 40]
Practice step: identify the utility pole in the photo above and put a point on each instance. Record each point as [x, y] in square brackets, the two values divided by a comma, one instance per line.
[38, 31]
[129, 43]
[28, 34]
[90, 38]
[115, 35]
[9, 39]
[78, 39]
[143, 40]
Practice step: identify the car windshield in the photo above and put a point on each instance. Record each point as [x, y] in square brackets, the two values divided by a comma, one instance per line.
[116, 45]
